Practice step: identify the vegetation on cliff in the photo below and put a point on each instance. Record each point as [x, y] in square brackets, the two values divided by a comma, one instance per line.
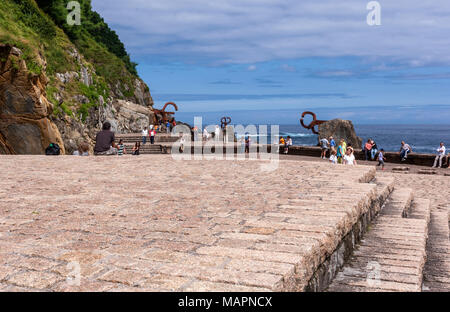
[39, 29]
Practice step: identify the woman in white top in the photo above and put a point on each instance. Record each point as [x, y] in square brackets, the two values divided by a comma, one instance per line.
[333, 157]
[349, 158]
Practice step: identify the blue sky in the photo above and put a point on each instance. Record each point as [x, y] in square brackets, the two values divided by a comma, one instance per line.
[279, 58]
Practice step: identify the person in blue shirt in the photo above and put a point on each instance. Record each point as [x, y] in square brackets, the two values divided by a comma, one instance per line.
[332, 143]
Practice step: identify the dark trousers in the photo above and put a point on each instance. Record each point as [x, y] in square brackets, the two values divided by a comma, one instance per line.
[152, 140]
[367, 154]
[144, 139]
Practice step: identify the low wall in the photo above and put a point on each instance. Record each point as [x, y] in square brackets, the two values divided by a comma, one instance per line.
[315, 151]
[391, 157]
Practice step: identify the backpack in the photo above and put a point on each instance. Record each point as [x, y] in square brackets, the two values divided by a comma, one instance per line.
[53, 150]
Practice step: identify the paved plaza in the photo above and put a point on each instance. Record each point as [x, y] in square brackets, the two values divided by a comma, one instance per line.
[151, 223]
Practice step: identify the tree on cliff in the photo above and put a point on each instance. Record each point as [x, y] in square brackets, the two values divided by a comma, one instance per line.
[92, 23]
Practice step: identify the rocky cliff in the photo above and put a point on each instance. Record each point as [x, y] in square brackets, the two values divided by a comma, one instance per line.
[25, 123]
[59, 87]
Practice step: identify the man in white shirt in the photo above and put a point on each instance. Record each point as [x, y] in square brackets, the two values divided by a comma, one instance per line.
[440, 155]
[217, 133]
[144, 135]
[324, 145]
[205, 135]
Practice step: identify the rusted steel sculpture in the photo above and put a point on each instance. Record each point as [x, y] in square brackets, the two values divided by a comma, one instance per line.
[313, 123]
[224, 122]
[165, 115]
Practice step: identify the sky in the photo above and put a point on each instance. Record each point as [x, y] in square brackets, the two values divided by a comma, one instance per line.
[270, 60]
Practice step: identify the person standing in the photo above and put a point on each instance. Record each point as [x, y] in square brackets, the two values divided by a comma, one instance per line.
[440, 155]
[340, 151]
[205, 135]
[168, 127]
[381, 159]
[104, 142]
[374, 150]
[349, 158]
[332, 143]
[144, 135]
[405, 149]
[217, 133]
[324, 143]
[367, 149]
[242, 140]
[152, 136]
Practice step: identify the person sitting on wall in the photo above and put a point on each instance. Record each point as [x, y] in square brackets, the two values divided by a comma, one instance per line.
[287, 145]
[405, 149]
[440, 155]
[104, 144]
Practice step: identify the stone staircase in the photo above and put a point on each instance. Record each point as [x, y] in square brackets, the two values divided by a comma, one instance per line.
[163, 141]
[392, 255]
[437, 268]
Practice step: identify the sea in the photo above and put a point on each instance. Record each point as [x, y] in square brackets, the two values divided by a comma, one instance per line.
[422, 138]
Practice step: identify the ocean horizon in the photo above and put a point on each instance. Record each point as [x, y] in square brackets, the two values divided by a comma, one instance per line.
[423, 138]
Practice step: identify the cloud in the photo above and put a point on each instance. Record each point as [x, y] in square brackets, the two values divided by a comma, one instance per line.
[251, 68]
[413, 32]
[334, 74]
[287, 68]
[225, 82]
[223, 97]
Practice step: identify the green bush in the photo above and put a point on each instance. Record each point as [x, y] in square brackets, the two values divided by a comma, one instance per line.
[29, 14]
[92, 24]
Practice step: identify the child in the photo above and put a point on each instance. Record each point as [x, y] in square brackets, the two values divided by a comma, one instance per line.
[340, 151]
[381, 159]
[288, 143]
[333, 157]
[121, 148]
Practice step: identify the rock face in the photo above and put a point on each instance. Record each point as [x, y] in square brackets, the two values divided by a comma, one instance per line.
[340, 129]
[126, 117]
[27, 120]
[25, 125]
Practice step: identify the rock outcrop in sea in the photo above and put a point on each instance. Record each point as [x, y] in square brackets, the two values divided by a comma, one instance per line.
[340, 129]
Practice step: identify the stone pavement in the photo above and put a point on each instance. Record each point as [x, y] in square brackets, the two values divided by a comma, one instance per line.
[150, 223]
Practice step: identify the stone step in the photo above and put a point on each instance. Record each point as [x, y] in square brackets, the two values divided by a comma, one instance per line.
[399, 203]
[437, 267]
[360, 219]
[392, 255]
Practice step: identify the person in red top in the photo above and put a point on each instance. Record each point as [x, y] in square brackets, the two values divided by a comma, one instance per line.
[367, 149]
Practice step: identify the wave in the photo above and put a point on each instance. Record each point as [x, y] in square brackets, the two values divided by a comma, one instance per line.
[297, 135]
[282, 134]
